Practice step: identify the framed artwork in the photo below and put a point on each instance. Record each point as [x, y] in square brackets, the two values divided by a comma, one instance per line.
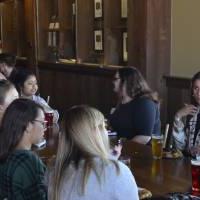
[98, 9]
[124, 8]
[98, 40]
[125, 47]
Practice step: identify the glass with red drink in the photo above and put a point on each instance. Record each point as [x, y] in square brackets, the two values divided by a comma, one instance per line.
[195, 168]
[49, 118]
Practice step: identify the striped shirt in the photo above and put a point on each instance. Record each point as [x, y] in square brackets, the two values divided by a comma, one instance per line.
[22, 177]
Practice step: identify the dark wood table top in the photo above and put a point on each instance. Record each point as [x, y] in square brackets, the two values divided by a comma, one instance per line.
[159, 176]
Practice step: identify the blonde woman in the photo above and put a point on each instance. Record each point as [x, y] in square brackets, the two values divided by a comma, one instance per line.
[83, 169]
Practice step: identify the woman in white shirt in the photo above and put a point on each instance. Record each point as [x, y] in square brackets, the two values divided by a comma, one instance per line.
[27, 86]
[83, 168]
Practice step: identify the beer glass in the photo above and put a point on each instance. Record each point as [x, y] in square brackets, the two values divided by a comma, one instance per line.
[195, 169]
[157, 146]
[49, 118]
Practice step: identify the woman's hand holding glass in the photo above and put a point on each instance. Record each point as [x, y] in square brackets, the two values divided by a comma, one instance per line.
[188, 109]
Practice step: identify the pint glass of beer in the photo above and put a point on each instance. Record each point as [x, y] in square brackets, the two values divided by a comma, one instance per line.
[49, 118]
[157, 146]
[195, 168]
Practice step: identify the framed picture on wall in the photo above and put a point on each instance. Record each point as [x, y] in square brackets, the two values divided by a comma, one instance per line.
[98, 9]
[124, 8]
[98, 40]
[125, 47]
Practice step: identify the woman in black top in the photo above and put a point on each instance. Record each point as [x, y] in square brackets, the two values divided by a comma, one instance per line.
[137, 114]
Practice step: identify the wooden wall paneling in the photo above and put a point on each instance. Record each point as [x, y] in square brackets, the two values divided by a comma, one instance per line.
[67, 85]
[30, 24]
[21, 33]
[158, 41]
[85, 30]
[158, 46]
[46, 85]
[112, 32]
[149, 29]
[67, 43]
[44, 14]
[71, 86]
[9, 26]
[178, 93]
[137, 34]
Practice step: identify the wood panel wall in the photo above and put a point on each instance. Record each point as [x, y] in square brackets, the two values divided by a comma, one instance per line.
[70, 85]
[178, 93]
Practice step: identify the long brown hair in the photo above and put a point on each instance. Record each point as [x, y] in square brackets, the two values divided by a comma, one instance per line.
[81, 139]
[15, 120]
[136, 85]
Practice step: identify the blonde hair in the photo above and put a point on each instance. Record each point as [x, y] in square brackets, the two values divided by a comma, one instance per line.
[81, 139]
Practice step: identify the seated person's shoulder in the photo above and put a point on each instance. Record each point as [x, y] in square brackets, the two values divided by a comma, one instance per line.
[25, 162]
[145, 102]
[26, 158]
[2, 77]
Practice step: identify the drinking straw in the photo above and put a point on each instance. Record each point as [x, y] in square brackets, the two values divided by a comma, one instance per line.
[165, 135]
[48, 99]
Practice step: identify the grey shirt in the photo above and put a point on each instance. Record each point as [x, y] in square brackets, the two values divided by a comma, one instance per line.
[113, 186]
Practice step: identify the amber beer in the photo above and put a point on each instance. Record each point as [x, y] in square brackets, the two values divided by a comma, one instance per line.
[157, 146]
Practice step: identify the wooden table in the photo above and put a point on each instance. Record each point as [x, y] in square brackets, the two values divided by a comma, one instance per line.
[159, 176]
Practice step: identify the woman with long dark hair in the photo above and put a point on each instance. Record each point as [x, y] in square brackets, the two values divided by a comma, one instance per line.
[21, 171]
[186, 129]
[137, 113]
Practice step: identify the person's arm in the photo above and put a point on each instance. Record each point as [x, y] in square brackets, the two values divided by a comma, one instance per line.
[142, 139]
[179, 133]
[178, 125]
[2, 77]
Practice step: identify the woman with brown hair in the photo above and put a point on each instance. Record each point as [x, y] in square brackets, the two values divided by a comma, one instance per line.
[186, 129]
[137, 114]
[21, 171]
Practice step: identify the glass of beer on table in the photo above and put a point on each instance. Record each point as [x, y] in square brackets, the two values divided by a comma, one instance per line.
[195, 169]
[157, 146]
[49, 117]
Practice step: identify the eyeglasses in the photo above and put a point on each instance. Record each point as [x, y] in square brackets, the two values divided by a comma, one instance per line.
[44, 123]
[115, 78]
